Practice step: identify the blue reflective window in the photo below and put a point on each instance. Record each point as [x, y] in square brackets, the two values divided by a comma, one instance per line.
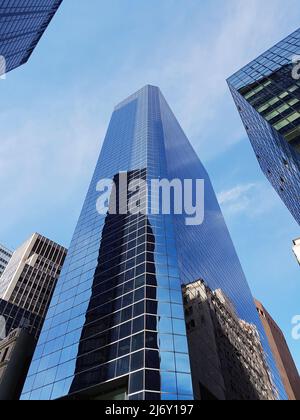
[166, 342]
[165, 326]
[182, 363]
[162, 270]
[164, 309]
[184, 383]
[28, 384]
[173, 272]
[169, 397]
[168, 382]
[65, 370]
[175, 284]
[189, 397]
[177, 311]
[167, 361]
[49, 376]
[58, 390]
[35, 395]
[179, 327]
[46, 393]
[176, 296]
[163, 295]
[163, 281]
[34, 367]
[181, 345]
[68, 353]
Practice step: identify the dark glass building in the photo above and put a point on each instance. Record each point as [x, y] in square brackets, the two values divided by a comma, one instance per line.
[267, 94]
[116, 326]
[22, 24]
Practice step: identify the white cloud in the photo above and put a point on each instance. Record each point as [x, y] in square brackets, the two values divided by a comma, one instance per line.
[235, 193]
[45, 161]
[250, 200]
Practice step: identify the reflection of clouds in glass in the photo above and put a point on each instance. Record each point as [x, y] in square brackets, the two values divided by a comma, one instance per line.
[252, 200]
[2, 328]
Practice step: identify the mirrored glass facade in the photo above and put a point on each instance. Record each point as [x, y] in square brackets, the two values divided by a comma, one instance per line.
[22, 23]
[267, 94]
[116, 323]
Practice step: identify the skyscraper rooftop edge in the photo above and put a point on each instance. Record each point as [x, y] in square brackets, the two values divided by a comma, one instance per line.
[39, 36]
[135, 95]
[23, 23]
[249, 64]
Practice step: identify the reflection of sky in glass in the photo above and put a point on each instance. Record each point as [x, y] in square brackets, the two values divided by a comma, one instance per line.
[143, 136]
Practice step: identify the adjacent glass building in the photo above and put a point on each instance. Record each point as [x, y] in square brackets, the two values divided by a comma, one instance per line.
[267, 94]
[22, 24]
[116, 326]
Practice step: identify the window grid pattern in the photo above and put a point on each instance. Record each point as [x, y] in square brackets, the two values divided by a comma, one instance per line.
[268, 99]
[16, 317]
[22, 23]
[5, 256]
[28, 283]
[213, 257]
[117, 311]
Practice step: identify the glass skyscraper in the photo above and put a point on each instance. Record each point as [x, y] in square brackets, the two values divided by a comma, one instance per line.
[116, 327]
[267, 94]
[22, 23]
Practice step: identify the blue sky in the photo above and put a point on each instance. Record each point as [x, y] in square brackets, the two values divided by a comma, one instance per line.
[55, 111]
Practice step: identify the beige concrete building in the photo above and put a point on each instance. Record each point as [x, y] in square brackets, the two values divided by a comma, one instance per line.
[26, 288]
[31, 274]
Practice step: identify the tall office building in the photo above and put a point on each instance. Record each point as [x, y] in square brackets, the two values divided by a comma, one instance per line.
[296, 249]
[26, 288]
[116, 325]
[22, 24]
[5, 256]
[285, 363]
[30, 277]
[267, 94]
